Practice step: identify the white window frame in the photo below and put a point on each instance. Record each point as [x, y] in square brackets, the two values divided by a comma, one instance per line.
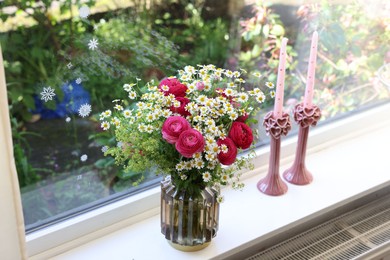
[81, 229]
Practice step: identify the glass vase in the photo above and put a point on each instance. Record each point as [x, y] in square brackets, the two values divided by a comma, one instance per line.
[188, 222]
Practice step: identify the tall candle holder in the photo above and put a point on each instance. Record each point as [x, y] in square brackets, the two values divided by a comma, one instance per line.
[272, 184]
[305, 117]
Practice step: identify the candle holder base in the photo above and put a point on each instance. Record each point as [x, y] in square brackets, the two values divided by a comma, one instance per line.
[272, 185]
[305, 117]
[298, 176]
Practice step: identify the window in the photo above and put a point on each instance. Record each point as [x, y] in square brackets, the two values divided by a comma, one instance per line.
[62, 61]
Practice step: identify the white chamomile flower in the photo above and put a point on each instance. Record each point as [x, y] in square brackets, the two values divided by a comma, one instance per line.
[141, 127]
[127, 113]
[83, 157]
[257, 74]
[185, 77]
[256, 91]
[176, 103]
[68, 119]
[211, 165]
[183, 177]
[47, 94]
[217, 74]
[204, 110]
[197, 156]
[116, 121]
[149, 129]
[128, 87]
[231, 85]
[236, 74]
[270, 84]
[229, 92]
[224, 148]
[233, 115]
[206, 176]
[118, 107]
[229, 73]
[199, 164]
[225, 178]
[150, 117]
[105, 125]
[85, 110]
[180, 166]
[106, 113]
[132, 94]
[197, 118]
[104, 149]
[210, 156]
[272, 93]
[191, 88]
[210, 122]
[215, 149]
[242, 97]
[164, 88]
[189, 69]
[201, 99]
[166, 113]
[260, 98]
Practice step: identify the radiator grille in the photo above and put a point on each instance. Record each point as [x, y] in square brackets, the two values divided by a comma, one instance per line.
[345, 237]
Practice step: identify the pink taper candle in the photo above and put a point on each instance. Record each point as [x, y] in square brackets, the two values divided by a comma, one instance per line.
[278, 107]
[311, 71]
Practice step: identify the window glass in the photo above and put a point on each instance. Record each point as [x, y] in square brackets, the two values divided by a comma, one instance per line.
[66, 61]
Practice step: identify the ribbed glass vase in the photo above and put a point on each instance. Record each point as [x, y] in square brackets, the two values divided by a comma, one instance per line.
[188, 222]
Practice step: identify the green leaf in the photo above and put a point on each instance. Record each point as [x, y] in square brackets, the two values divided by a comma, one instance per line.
[104, 163]
[266, 30]
[277, 30]
[29, 101]
[247, 36]
[342, 65]
[257, 29]
[256, 51]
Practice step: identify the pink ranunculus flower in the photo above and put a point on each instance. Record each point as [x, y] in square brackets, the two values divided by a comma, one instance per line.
[175, 87]
[190, 142]
[173, 127]
[230, 156]
[181, 110]
[241, 134]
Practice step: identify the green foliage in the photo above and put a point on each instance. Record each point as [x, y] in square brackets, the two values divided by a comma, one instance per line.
[260, 46]
[352, 47]
[201, 41]
[27, 174]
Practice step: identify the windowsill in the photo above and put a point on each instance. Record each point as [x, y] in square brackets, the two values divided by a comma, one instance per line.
[343, 171]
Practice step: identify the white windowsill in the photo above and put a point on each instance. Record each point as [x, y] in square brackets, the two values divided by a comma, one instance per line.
[346, 167]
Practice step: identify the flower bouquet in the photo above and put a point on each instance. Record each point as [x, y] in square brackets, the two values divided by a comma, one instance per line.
[189, 127]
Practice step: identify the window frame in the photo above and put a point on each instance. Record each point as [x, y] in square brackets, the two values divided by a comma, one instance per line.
[83, 228]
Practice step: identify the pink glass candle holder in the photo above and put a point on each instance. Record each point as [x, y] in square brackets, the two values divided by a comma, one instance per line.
[272, 184]
[305, 117]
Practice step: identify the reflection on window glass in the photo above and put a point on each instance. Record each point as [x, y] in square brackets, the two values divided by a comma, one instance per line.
[66, 62]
